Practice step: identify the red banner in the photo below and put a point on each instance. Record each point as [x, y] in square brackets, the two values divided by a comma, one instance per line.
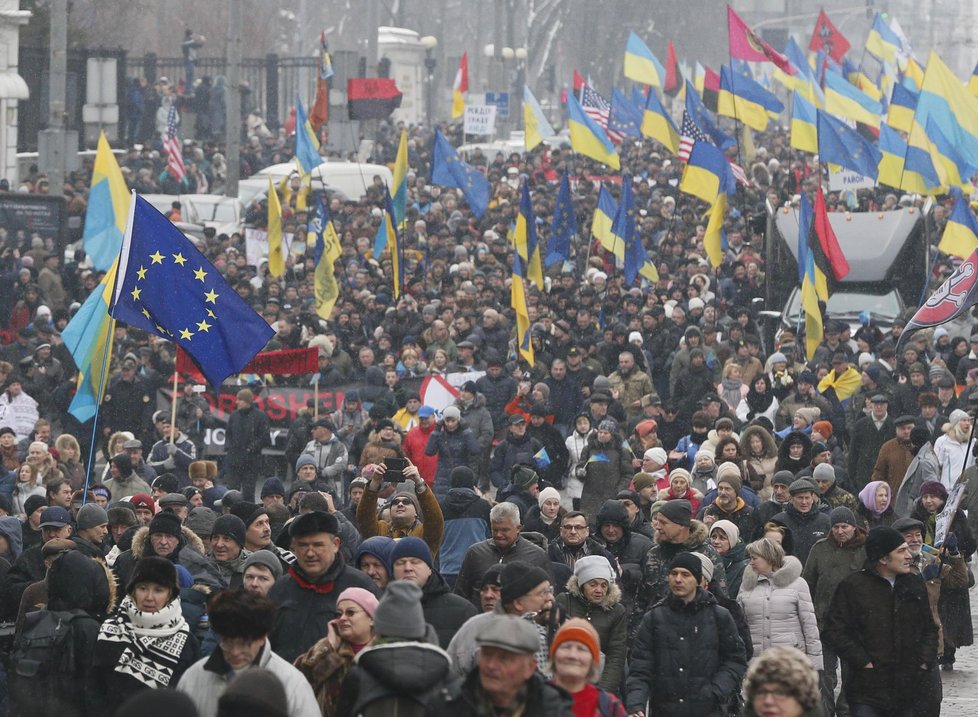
[289, 361]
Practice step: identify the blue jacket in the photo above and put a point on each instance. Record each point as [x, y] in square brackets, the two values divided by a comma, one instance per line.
[466, 517]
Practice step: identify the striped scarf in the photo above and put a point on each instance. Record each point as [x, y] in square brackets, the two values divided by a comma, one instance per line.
[151, 642]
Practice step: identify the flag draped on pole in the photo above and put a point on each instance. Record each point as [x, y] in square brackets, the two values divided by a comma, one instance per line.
[517, 301]
[448, 170]
[306, 144]
[325, 253]
[599, 109]
[166, 287]
[388, 226]
[827, 253]
[746, 45]
[537, 126]
[460, 86]
[171, 145]
[525, 239]
[108, 208]
[601, 221]
[399, 196]
[319, 112]
[636, 259]
[276, 251]
[564, 226]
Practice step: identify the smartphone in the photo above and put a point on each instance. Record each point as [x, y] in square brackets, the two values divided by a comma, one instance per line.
[394, 469]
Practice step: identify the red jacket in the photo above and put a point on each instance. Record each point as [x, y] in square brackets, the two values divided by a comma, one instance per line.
[413, 446]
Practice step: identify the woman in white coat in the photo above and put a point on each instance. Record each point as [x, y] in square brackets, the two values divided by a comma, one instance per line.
[952, 447]
[777, 603]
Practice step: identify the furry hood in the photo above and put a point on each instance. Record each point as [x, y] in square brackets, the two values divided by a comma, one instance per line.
[140, 538]
[478, 402]
[767, 440]
[612, 598]
[698, 535]
[782, 578]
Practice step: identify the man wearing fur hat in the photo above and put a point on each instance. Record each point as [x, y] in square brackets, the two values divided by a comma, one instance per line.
[412, 500]
[202, 476]
[880, 624]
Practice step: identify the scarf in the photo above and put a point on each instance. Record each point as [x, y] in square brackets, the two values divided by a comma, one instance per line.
[731, 391]
[757, 402]
[319, 588]
[152, 642]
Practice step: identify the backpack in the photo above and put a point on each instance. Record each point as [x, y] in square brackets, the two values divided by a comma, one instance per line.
[43, 659]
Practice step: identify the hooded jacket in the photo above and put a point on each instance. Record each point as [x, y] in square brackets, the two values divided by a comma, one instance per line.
[442, 610]
[189, 553]
[806, 528]
[475, 417]
[609, 618]
[828, 565]
[466, 521]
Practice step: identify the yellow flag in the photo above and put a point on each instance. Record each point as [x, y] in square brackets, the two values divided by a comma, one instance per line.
[276, 253]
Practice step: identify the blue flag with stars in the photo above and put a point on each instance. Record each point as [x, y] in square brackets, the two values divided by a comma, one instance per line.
[166, 287]
[624, 116]
[564, 226]
[450, 171]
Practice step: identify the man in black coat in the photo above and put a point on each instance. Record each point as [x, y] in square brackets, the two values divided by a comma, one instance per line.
[553, 442]
[411, 560]
[869, 434]
[29, 567]
[880, 623]
[306, 596]
[247, 435]
[804, 517]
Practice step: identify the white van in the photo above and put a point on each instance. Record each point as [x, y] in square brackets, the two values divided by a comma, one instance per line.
[348, 178]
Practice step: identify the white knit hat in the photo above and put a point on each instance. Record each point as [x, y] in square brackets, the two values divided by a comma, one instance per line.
[592, 567]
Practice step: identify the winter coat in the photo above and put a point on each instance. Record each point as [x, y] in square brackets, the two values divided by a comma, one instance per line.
[331, 457]
[463, 697]
[413, 446]
[126, 486]
[734, 563]
[828, 565]
[497, 393]
[395, 678]
[160, 460]
[553, 442]
[573, 486]
[952, 574]
[430, 530]
[779, 610]
[922, 468]
[247, 435]
[610, 619]
[891, 466]
[190, 554]
[533, 522]
[806, 528]
[481, 556]
[687, 659]
[304, 611]
[630, 389]
[205, 681]
[864, 447]
[475, 417]
[442, 610]
[511, 451]
[326, 667]
[453, 448]
[607, 469]
[870, 621]
[763, 464]
[562, 554]
[466, 522]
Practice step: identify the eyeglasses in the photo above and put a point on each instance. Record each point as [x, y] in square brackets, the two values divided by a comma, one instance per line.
[401, 501]
[573, 528]
[778, 693]
[545, 592]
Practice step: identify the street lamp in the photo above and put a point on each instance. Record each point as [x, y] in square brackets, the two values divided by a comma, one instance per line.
[429, 43]
[520, 81]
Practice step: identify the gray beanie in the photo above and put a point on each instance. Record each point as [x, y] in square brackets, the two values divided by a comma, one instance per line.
[824, 471]
[267, 559]
[201, 521]
[91, 516]
[399, 612]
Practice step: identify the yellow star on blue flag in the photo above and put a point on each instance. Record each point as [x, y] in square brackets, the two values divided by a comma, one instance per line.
[166, 287]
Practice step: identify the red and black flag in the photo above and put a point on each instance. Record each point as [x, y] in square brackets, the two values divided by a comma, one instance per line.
[711, 89]
[372, 97]
[952, 299]
[674, 78]
[827, 252]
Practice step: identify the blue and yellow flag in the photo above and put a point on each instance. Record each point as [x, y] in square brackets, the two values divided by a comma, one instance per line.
[399, 196]
[306, 144]
[536, 125]
[88, 338]
[640, 64]
[839, 144]
[813, 314]
[657, 124]
[846, 100]
[960, 236]
[276, 250]
[448, 170]
[636, 259]
[588, 138]
[525, 239]
[945, 101]
[325, 253]
[707, 173]
[745, 100]
[882, 43]
[564, 227]
[108, 209]
[973, 82]
[951, 166]
[893, 151]
[517, 301]
[923, 173]
[804, 133]
[603, 218]
[168, 288]
[702, 119]
[903, 104]
[713, 237]
[387, 238]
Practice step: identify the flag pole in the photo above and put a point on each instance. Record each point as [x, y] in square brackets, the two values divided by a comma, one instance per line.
[315, 398]
[173, 406]
[100, 394]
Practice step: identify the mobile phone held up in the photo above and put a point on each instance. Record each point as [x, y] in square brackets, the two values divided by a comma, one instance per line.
[394, 470]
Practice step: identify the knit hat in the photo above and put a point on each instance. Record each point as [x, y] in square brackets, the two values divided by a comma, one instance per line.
[364, 598]
[156, 570]
[802, 485]
[783, 478]
[412, 547]
[704, 455]
[824, 428]
[643, 480]
[881, 541]
[407, 490]
[123, 463]
[842, 514]
[167, 483]
[729, 473]
[707, 565]
[267, 559]
[201, 521]
[272, 486]
[141, 500]
[232, 526]
[159, 703]
[36, 501]
[578, 630]
[809, 414]
[462, 477]
[592, 567]
[729, 529]
[519, 578]
[689, 562]
[304, 460]
[657, 454]
[680, 473]
[608, 424]
[679, 512]
[933, 487]
[548, 493]
[314, 522]
[451, 412]
[644, 428]
[919, 436]
[91, 516]
[399, 612]
[824, 471]
[614, 512]
[492, 576]
[165, 523]
[248, 512]
[380, 547]
[523, 476]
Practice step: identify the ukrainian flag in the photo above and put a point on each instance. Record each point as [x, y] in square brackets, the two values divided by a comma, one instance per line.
[894, 150]
[813, 313]
[588, 138]
[744, 99]
[840, 144]
[604, 216]
[640, 64]
[400, 182]
[948, 159]
[657, 124]
[713, 238]
[707, 173]
[960, 237]
[913, 73]
[882, 43]
[903, 104]
[517, 301]
[804, 135]
[845, 100]
[973, 81]
[306, 144]
[537, 126]
[389, 227]
[525, 239]
[108, 209]
[946, 102]
[276, 252]
[922, 172]
[867, 86]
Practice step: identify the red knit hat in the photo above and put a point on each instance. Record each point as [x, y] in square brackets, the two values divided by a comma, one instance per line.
[823, 427]
[578, 630]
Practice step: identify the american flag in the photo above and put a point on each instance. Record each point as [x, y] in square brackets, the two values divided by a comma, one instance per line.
[598, 108]
[171, 145]
[690, 134]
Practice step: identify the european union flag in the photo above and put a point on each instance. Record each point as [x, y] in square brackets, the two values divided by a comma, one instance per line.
[564, 225]
[839, 144]
[701, 116]
[450, 171]
[166, 287]
[624, 116]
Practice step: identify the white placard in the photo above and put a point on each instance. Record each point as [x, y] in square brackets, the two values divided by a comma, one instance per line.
[480, 119]
[843, 179]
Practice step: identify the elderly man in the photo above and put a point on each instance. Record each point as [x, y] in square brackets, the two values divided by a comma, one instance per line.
[630, 383]
[505, 680]
[804, 518]
[869, 434]
[412, 499]
[173, 452]
[258, 531]
[329, 453]
[504, 546]
[307, 595]
[227, 548]
[895, 455]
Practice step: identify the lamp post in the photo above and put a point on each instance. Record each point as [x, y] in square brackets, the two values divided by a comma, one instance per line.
[516, 98]
[429, 43]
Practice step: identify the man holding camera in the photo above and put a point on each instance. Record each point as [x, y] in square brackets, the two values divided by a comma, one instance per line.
[411, 500]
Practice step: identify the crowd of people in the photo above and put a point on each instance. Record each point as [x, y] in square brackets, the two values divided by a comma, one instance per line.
[664, 514]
